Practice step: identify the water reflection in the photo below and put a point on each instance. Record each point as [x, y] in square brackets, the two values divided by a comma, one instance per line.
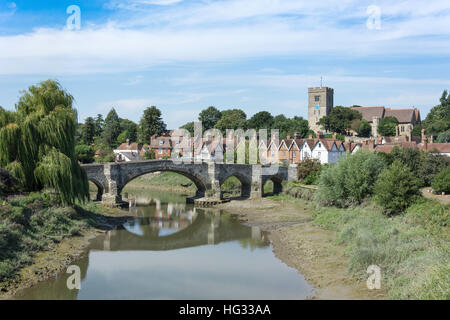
[172, 250]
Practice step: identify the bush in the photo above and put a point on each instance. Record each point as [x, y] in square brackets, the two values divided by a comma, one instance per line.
[8, 184]
[306, 167]
[84, 153]
[106, 157]
[441, 182]
[351, 180]
[149, 155]
[396, 188]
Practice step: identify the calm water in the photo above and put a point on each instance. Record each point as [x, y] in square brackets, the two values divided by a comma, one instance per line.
[172, 250]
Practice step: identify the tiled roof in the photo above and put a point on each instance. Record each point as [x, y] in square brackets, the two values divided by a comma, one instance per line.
[440, 147]
[369, 112]
[129, 146]
[402, 115]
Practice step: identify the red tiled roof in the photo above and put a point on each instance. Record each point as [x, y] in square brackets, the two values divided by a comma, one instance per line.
[402, 115]
[129, 146]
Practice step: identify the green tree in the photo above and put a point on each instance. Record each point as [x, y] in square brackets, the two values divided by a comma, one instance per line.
[365, 129]
[281, 123]
[129, 131]
[387, 125]
[300, 125]
[417, 130]
[88, 131]
[396, 188]
[149, 155]
[444, 137]
[209, 117]
[37, 142]
[189, 127]
[339, 120]
[84, 153]
[111, 129]
[351, 180]
[151, 123]
[438, 119]
[232, 119]
[441, 182]
[99, 125]
[261, 120]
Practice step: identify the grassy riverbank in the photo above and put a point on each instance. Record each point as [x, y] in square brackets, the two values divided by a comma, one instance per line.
[412, 249]
[33, 224]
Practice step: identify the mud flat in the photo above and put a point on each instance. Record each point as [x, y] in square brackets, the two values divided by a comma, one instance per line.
[301, 245]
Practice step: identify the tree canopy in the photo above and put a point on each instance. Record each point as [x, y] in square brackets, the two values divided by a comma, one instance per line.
[387, 125]
[261, 120]
[37, 142]
[232, 119]
[209, 117]
[339, 119]
[151, 123]
[438, 120]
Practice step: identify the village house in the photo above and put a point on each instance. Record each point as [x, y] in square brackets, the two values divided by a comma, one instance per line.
[128, 151]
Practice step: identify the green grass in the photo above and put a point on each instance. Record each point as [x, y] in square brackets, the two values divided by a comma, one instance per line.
[412, 250]
[32, 223]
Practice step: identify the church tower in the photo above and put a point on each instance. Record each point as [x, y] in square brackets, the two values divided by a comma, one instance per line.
[320, 103]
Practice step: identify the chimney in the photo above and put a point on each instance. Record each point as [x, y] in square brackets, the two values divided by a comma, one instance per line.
[397, 131]
[288, 136]
[432, 139]
[128, 141]
[334, 136]
[319, 134]
[297, 135]
[310, 135]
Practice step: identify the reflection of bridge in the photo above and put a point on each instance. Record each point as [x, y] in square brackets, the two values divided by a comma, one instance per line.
[210, 228]
[111, 178]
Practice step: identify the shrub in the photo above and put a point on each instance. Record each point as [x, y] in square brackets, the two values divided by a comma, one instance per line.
[8, 184]
[396, 188]
[106, 157]
[441, 182]
[84, 153]
[306, 167]
[351, 180]
[149, 155]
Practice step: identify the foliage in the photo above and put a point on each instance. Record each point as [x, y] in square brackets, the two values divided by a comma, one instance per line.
[189, 127]
[365, 129]
[232, 119]
[338, 136]
[88, 131]
[8, 184]
[129, 131]
[438, 119]
[441, 182]
[111, 129]
[443, 137]
[99, 125]
[37, 142]
[387, 125]
[84, 153]
[417, 130]
[209, 117]
[261, 120]
[106, 157]
[425, 165]
[412, 250]
[306, 167]
[396, 188]
[351, 180]
[151, 123]
[339, 119]
[149, 155]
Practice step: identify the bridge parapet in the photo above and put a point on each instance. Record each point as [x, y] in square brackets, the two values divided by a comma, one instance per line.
[111, 178]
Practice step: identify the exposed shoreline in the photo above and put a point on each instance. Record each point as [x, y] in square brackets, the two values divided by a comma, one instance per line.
[303, 246]
[47, 264]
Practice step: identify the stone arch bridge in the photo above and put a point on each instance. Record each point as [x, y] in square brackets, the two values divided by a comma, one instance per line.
[111, 178]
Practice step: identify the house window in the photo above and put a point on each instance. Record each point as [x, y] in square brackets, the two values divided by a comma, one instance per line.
[316, 98]
[161, 142]
[318, 153]
[284, 153]
[320, 145]
[314, 111]
[294, 154]
[160, 151]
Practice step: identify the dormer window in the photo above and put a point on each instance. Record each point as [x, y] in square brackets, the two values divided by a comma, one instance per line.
[161, 142]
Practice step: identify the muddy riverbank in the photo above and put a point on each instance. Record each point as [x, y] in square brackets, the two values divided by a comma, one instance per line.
[47, 264]
[301, 245]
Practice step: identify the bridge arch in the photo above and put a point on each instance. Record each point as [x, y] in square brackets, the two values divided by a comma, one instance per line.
[200, 184]
[246, 184]
[277, 184]
[100, 188]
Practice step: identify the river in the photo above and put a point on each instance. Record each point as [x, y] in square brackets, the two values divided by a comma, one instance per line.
[172, 250]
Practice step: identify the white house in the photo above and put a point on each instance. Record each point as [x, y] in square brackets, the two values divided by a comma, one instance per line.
[210, 151]
[128, 151]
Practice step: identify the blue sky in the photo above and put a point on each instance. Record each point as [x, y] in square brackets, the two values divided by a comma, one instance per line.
[183, 56]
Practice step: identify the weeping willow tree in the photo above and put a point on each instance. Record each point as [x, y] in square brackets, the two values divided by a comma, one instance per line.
[37, 142]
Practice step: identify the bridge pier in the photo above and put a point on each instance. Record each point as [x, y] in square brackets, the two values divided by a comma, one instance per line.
[208, 177]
